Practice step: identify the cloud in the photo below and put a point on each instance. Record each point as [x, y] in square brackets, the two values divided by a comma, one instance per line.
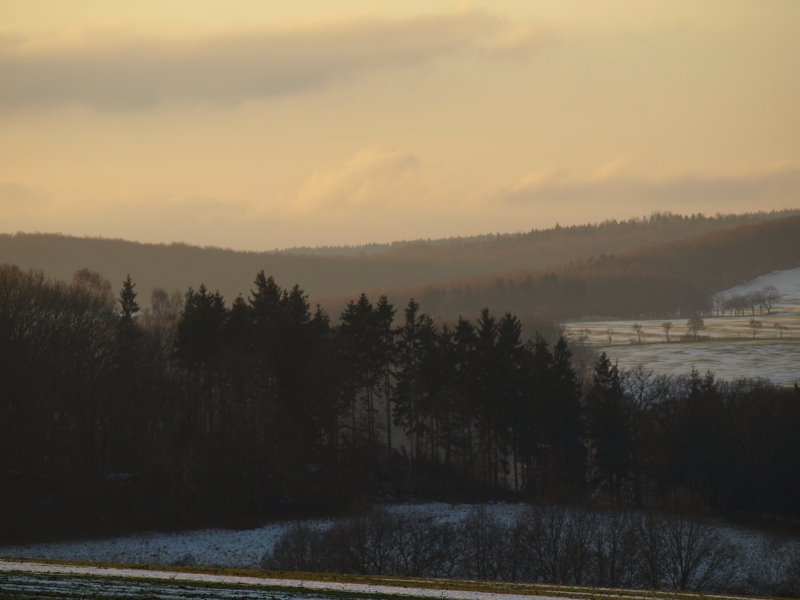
[375, 178]
[609, 191]
[122, 71]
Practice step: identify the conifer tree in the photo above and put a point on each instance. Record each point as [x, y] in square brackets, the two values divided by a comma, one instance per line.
[127, 300]
[407, 415]
[360, 339]
[129, 339]
[567, 392]
[608, 417]
[385, 355]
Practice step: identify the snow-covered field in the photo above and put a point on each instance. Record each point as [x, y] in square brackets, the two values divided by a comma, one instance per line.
[318, 589]
[215, 547]
[730, 347]
[787, 282]
[245, 548]
[71, 581]
[777, 362]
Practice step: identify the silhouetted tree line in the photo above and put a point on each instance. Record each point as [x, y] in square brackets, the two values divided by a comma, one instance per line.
[659, 226]
[762, 300]
[197, 411]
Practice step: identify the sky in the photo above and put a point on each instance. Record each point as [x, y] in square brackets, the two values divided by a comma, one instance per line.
[257, 125]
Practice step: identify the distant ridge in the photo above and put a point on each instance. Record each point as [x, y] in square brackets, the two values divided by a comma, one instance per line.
[347, 271]
[401, 246]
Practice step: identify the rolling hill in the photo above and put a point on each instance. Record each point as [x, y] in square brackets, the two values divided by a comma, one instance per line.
[347, 271]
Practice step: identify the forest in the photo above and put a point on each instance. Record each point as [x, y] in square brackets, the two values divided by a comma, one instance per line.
[197, 410]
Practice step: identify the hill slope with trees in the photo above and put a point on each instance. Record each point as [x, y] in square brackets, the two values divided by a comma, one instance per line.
[674, 278]
[326, 272]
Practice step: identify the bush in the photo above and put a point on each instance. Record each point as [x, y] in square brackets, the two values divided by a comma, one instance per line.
[483, 546]
[300, 548]
[684, 554]
[560, 543]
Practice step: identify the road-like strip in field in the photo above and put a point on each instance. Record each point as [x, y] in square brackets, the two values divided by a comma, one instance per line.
[116, 579]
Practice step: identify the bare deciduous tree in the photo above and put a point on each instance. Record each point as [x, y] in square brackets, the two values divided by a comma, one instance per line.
[695, 324]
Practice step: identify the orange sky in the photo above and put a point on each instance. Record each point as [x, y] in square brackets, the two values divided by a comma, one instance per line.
[263, 125]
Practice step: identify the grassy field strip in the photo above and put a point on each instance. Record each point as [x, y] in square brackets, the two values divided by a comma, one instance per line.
[110, 581]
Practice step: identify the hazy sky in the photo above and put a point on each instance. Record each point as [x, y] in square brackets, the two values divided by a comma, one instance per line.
[258, 124]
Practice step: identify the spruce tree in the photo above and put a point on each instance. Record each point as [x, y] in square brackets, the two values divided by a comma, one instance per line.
[127, 300]
[609, 425]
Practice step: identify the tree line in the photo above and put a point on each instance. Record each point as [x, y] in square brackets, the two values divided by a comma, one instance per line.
[762, 300]
[197, 411]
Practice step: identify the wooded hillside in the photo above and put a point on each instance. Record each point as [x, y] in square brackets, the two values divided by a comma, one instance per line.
[673, 278]
[328, 272]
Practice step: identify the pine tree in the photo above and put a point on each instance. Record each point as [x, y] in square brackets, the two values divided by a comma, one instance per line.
[129, 336]
[385, 355]
[609, 425]
[567, 392]
[407, 413]
[509, 371]
[127, 300]
[360, 339]
[200, 333]
[466, 407]
[126, 416]
[486, 380]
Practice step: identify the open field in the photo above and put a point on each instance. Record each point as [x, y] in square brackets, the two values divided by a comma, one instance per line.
[728, 346]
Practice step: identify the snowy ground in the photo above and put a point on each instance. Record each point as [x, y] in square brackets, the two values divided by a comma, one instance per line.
[213, 547]
[100, 582]
[731, 348]
[118, 577]
[245, 548]
[787, 282]
[777, 362]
